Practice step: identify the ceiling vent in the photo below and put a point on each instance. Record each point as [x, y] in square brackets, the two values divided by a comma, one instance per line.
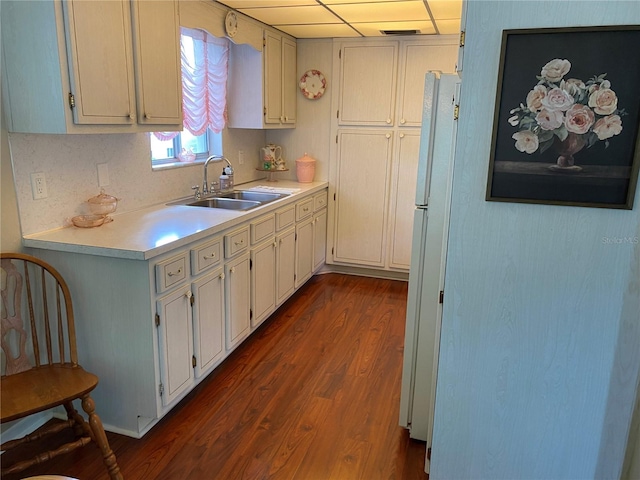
[399, 32]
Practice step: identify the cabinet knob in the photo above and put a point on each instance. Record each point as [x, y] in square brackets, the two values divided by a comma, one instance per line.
[147, 116]
[188, 294]
[403, 121]
[388, 135]
[402, 135]
[221, 276]
[388, 121]
[275, 244]
[232, 269]
[130, 116]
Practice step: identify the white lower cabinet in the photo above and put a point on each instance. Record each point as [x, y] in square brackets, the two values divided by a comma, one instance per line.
[238, 301]
[285, 264]
[175, 341]
[155, 329]
[319, 238]
[208, 321]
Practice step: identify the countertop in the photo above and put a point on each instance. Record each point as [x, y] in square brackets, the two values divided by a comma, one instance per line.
[149, 232]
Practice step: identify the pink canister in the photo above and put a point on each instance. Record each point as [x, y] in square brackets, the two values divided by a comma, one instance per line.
[305, 169]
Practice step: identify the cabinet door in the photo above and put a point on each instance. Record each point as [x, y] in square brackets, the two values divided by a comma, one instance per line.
[368, 84]
[208, 321]
[289, 81]
[362, 192]
[304, 251]
[263, 282]
[156, 36]
[238, 299]
[403, 193]
[285, 264]
[101, 61]
[319, 238]
[175, 342]
[273, 77]
[417, 60]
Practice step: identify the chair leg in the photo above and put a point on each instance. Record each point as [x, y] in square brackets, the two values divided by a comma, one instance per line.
[100, 437]
[80, 426]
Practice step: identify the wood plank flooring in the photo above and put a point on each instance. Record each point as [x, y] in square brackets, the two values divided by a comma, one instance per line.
[313, 394]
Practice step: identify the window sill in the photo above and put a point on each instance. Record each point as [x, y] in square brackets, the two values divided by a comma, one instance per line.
[168, 164]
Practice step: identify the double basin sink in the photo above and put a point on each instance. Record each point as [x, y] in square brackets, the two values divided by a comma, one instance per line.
[235, 200]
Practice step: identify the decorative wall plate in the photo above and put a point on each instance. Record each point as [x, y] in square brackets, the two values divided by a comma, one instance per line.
[231, 24]
[313, 84]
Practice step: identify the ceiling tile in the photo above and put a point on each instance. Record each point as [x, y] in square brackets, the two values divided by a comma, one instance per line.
[373, 29]
[447, 27]
[381, 12]
[445, 9]
[336, 2]
[319, 31]
[265, 3]
[291, 15]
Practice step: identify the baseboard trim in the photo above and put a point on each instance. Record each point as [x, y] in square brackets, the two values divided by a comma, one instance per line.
[364, 272]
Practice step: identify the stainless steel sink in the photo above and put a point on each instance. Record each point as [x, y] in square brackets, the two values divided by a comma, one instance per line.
[226, 203]
[261, 197]
[236, 200]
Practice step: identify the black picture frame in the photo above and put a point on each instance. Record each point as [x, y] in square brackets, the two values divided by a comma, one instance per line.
[551, 87]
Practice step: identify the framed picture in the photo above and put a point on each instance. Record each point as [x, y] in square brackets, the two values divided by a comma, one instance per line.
[567, 117]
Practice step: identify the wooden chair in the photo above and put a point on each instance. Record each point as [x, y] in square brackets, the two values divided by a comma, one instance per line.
[42, 370]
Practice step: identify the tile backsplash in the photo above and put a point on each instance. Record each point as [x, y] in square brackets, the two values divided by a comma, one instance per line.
[69, 163]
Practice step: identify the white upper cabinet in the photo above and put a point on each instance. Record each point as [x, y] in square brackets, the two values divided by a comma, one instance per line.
[262, 88]
[106, 66]
[156, 40]
[368, 84]
[418, 58]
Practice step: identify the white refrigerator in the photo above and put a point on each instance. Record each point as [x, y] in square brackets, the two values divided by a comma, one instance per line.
[426, 275]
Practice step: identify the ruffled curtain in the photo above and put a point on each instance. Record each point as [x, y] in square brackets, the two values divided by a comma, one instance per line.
[204, 82]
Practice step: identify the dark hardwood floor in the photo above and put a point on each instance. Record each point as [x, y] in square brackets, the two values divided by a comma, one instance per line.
[313, 394]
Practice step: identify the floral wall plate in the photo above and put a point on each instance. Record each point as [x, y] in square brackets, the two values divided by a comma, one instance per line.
[313, 84]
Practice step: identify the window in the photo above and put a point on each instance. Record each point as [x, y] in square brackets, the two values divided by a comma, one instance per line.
[204, 79]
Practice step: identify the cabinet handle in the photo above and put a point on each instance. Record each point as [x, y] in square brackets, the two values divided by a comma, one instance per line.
[147, 116]
[238, 243]
[305, 209]
[221, 276]
[188, 294]
[403, 121]
[210, 257]
[388, 135]
[388, 121]
[171, 274]
[275, 244]
[232, 269]
[282, 119]
[130, 116]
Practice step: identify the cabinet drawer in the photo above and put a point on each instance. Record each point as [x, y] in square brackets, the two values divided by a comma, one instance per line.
[171, 272]
[236, 242]
[206, 256]
[262, 228]
[304, 209]
[285, 217]
[319, 201]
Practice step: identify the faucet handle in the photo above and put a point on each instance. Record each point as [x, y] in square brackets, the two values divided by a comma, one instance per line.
[196, 192]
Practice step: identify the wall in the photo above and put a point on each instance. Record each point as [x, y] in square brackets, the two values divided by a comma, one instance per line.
[70, 166]
[539, 356]
[312, 133]
[9, 223]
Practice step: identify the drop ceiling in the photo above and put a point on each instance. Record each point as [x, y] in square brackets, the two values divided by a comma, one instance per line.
[353, 18]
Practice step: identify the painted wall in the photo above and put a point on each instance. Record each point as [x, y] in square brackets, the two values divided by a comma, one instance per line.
[312, 133]
[539, 357]
[10, 240]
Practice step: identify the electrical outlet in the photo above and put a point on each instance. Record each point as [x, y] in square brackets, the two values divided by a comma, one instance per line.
[38, 185]
[241, 157]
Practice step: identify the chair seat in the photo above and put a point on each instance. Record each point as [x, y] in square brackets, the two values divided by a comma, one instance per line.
[42, 388]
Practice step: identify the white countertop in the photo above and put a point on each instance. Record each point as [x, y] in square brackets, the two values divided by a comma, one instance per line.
[149, 232]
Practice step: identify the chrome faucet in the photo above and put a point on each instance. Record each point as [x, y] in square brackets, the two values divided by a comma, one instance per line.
[212, 158]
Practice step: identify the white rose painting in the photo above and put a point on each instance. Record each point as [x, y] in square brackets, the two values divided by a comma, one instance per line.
[566, 117]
